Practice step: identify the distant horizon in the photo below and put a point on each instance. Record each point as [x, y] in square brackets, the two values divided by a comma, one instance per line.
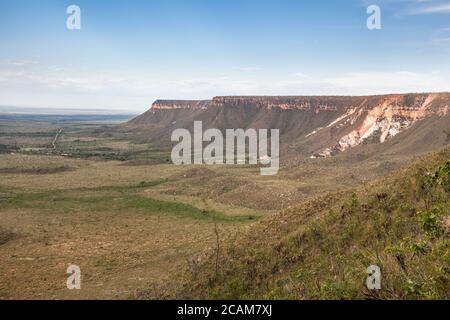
[109, 111]
[22, 110]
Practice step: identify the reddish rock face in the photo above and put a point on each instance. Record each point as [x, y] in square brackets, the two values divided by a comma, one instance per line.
[284, 103]
[398, 102]
[180, 104]
[386, 119]
[312, 126]
[290, 103]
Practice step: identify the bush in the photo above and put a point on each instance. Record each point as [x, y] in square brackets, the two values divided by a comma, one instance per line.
[431, 222]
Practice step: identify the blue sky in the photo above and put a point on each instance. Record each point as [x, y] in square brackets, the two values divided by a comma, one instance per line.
[129, 53]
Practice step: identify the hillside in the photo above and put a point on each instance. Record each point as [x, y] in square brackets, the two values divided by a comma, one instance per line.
[321, 248]
[312, 127]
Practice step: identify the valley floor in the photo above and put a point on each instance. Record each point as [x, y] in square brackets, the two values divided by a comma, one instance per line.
[107, 219]
[93, 198]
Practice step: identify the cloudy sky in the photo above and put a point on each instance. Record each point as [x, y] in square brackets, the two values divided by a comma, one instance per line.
[131, 52]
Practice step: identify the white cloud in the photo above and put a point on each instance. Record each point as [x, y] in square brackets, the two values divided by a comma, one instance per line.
[248, 69]
[301, 75]
[356, 83]
[440, 40]
[432, 9]
[48, 87]
[17, 62]
[389, 82]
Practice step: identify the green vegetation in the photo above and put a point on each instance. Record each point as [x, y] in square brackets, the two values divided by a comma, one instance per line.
[321, 249]
[77, 140]
[98, 199]
[183, 210]
[5, 148]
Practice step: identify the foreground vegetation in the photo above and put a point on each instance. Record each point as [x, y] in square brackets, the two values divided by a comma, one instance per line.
[322, 248]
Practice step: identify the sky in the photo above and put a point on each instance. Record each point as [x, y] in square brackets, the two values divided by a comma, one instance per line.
[129, 53]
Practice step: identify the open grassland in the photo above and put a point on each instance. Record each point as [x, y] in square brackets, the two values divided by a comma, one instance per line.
[112, 218]
[104, 217]
[84, 194]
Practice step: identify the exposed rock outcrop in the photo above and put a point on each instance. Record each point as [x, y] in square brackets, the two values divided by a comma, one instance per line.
[390, 117]
[310, 126]
[180, 104]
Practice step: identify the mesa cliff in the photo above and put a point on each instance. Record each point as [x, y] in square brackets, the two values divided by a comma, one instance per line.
[311, 126]
[180, 104]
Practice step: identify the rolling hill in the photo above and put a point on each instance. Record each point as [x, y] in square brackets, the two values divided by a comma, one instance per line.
[321, 248]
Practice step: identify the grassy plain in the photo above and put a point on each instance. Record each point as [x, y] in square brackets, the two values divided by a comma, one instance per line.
[115, 219]
[94, 197]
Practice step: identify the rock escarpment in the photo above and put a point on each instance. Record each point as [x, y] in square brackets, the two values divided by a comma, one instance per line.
[310, 126]
[384, 120]
[180, 104]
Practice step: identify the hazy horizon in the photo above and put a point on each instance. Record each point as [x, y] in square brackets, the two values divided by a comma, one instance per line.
[64, 111]
[10, 109]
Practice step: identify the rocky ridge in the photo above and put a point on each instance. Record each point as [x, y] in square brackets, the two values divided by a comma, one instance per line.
[320, 126]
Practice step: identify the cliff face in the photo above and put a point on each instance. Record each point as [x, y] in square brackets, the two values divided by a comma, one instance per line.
[386, 119]
[309, 126]
[180, 104]
[401, 103]
[316, 104]
[282, 103]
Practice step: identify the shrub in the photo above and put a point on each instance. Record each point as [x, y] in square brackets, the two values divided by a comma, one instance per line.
[430, 222]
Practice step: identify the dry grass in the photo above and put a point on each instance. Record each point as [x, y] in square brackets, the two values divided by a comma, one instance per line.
[87, 217]
[118, 253]
[321, 248]
[137, 224]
